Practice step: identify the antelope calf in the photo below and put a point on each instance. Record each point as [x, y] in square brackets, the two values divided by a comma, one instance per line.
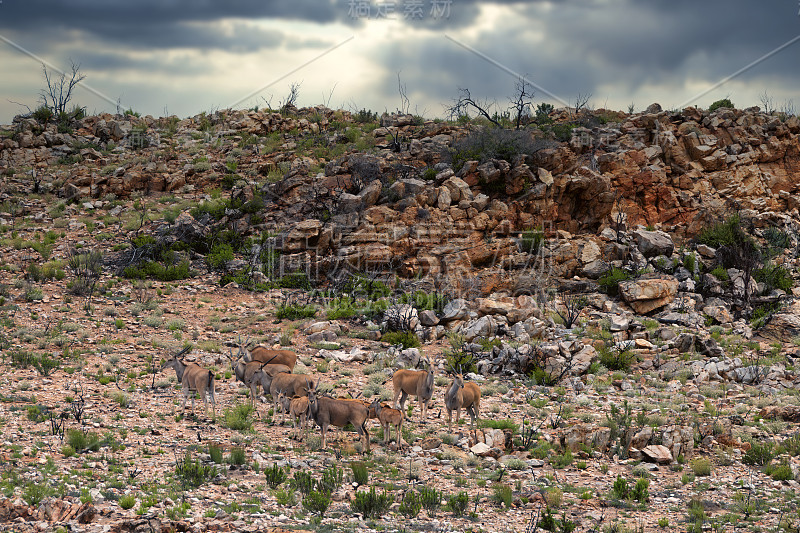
[462, 395]
[193, 377]
[417, 383]
[276, 382]
[297, 409]
[388, 416]
[327, 411]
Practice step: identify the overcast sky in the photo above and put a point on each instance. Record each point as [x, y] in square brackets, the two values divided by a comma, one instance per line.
[183, 57]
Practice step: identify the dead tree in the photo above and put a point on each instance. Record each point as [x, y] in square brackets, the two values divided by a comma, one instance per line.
[522, 101]
[58, 92]
[465, 102]
[581, 102]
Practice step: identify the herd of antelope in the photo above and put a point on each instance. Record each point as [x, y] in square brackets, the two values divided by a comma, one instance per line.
[297, 394]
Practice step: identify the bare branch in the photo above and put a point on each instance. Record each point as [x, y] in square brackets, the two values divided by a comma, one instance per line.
[522, 101]
[582, 102]
[464, 102]
[405, 105]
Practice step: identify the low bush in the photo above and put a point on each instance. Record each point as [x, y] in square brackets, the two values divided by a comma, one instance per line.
[502, 495]
[192, 473]
[615, 358]
[531, 241]
[458, 503]
[430, 499]
[360, 473]
[127, 501]
[239, 418]
[609, 282]
[725, 102]
[411, 504]
[408, 339]
[317, 502]
[275, 476]
[774, 277]
[371, 504]
[295, 312]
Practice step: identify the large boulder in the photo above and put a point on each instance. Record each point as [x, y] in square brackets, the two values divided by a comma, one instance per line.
[653, 243]
[782, 327]
[457, 309]
[648, 294]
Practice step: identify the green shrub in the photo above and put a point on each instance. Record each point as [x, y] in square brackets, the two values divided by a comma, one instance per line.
[80, 441]
[33, 493]
[303, 482]
[42, 114]
[237, 456]
[219, 256]
[701, 466]
[239, 418]
[360, 472]
[458, 503]
[609, 282]
[779, 472]
[275, 476]
[45, 365]
[127, 501]
[421, 300]
[430, 499]
[192, 473]
[502, 495]
[411, 504]
[720, 273]
[317, 502]
[777, 239]
[620, 489]
[296, 280]
[371, 504]
[531, 241]
[156, 270]
[215, 452]
[614, 358]
[331, 479]
[726, 233]
[640, 491]
[759, 454]
[493, 143]
[562, 461]
[285, 496]
[563, 131]
[408, 339]
[725, 102]
[550, 523]
[429, 174]
[295, 312]
[774, 277]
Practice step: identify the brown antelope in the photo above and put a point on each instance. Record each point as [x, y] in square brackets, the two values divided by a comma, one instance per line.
[297, 409]
[245, 372]
[275, 381]
[417, 383]
[263, 354]
[193, 377]
[388, 416]
[462, 395]
[327, 411]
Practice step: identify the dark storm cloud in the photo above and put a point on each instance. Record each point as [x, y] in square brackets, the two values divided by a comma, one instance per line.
[589, 46]
[161, 24]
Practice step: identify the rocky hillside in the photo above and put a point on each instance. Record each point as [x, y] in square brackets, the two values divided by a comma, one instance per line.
[621, 287]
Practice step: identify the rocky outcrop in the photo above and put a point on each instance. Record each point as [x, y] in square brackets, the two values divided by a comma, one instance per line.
[648, 294]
